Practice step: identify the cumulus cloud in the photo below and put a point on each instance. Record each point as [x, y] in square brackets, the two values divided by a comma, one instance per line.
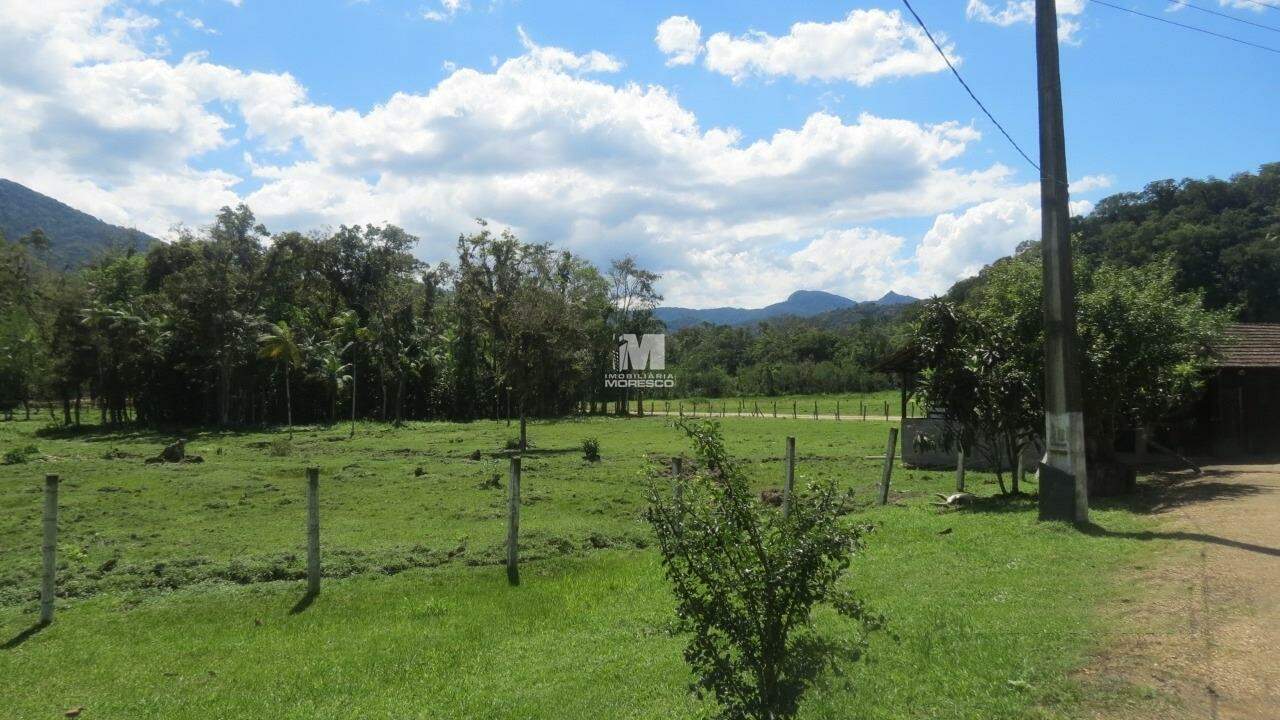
[544, 143]
[1023, 12]
[865, 47]
[680, 39]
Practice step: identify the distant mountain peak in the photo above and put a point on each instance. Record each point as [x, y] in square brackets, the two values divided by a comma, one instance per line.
[893, 298]
[801, 304]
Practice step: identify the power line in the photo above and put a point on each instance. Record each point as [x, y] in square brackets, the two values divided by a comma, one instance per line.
[1184, 26]
[967, 89]
[1272, 28]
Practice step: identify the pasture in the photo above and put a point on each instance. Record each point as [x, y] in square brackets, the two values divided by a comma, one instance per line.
[181, 591]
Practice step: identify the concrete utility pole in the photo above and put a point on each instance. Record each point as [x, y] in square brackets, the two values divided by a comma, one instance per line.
[1063, 474]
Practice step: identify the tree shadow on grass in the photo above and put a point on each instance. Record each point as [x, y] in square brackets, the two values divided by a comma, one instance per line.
[1171, 490]
[306, 601]
[23, 636]
[1159, 493]
[534, 452]
[1096, 530]
[812, 658]
[126, 433]
[1008, 503]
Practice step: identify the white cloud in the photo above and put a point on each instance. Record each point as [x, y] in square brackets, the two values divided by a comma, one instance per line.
[865, 47]
[541, 143]
[1092, 182]
[680, 39]
[1257, 7]
[195, 23]
[1023, 12]
[446, 11]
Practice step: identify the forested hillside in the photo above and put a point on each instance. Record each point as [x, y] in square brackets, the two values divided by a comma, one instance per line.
[73, 237]
[1222, 236]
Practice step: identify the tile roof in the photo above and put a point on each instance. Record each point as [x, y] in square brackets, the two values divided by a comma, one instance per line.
[1250, 345]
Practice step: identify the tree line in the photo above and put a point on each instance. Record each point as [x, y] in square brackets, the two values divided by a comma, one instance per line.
[230, 325]
[788, 356]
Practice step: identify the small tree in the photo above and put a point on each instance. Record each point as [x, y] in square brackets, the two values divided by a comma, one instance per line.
[974, 377]
[334, 373]
[1144, 345]
[746, 579]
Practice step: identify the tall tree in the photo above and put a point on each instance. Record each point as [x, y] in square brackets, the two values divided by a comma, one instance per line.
[281, 344]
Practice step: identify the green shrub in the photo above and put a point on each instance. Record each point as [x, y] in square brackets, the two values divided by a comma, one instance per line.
[591, 449]
[19, 455]
[282, 447]
[746, 579]
[513, 443]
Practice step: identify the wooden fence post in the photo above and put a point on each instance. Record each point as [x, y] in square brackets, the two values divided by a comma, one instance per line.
[681, 409]
[513, 522]
[789, 485]
[815, 409]
[793, 409]
[775, 408]
[889, 451]
[960, 470]
[863, 405]
[837, 409]
[313, 531]
[886, 409]
[49, 549]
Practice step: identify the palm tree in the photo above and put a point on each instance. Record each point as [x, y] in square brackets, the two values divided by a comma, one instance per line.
[347, 329]
[280, 343]
[334, 373]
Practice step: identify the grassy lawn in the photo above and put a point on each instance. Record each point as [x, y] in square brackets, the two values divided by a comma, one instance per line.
[183, 580]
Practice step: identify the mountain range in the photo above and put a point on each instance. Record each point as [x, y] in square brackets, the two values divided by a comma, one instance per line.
[802, 303]
[74, 237]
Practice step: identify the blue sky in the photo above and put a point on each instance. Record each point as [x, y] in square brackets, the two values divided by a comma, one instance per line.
[749, 150]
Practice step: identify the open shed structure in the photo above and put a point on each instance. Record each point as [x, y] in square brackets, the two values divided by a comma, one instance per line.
[1239, 412]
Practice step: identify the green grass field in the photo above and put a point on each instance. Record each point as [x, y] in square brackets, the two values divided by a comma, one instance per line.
[184, 581]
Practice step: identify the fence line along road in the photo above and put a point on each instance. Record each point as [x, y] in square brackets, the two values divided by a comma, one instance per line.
[877, 411]
[802, 416]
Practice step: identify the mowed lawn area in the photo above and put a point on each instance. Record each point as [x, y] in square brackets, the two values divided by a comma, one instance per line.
[184, 580]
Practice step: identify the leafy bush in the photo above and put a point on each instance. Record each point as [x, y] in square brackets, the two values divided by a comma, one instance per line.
[746, 579]
[282, 447]
[591, 449]
[19, 455]
[512, 443]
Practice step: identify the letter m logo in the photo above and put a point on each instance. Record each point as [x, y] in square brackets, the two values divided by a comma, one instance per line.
[647, 353]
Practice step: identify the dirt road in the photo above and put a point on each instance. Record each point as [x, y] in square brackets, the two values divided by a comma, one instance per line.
[1204, 631]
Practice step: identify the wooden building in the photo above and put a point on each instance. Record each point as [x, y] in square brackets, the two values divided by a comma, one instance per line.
[1239, 412]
